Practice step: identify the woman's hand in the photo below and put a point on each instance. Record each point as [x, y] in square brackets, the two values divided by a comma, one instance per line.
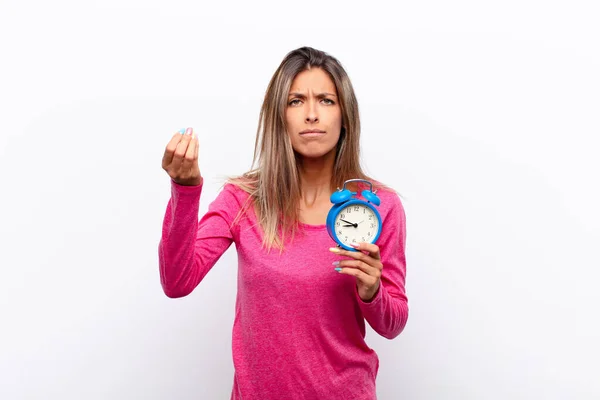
[181, 158]
[365, 267]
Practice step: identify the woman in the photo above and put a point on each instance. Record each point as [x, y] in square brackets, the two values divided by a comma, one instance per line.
[299, 325]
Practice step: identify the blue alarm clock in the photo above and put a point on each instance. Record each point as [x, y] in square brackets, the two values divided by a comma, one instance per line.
[352, 220]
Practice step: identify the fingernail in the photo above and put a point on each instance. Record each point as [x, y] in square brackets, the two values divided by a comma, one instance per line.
[182, 131]
[356, 246]
[334, 249]
[335, 263]
[189, 131]
[338, 269]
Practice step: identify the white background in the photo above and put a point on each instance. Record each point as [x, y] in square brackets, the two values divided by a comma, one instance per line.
[484, 115]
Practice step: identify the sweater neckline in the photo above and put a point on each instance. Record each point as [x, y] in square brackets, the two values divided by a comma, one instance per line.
[312, 227]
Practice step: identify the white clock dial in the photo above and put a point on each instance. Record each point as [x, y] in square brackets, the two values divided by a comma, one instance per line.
[356, 223]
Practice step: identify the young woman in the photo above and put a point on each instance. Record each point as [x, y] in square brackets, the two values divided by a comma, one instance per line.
[302, 302]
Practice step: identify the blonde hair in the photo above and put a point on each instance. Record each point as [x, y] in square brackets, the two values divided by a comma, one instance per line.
[273, 182]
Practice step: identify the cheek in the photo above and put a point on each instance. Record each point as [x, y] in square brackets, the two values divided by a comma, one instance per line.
[337, 125]
[288, 118]
[293, 113]
[337, 118]
[290, 122]
[335, 139]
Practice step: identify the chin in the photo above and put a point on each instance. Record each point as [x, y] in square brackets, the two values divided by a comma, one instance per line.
[314, 153]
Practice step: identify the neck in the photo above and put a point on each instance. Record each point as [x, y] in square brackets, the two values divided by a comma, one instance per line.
[315, 177]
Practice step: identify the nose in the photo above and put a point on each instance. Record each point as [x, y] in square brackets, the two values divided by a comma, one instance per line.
[311, 115]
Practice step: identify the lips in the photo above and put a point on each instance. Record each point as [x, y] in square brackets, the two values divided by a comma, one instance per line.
[312, 132]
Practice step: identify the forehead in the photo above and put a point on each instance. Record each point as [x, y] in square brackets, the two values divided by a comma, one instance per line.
[314, 79]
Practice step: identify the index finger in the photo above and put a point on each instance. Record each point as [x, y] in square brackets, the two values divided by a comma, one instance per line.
[371, 248]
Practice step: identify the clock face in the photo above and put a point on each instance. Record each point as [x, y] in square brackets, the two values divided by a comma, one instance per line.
[356, 223]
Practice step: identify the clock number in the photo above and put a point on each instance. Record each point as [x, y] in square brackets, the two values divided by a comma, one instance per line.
[342, 216]
[339, 232]
[372, 225]
[356, 208]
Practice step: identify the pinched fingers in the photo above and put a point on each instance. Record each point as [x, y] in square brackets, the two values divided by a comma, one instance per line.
[181, 149]
[170, 150]
[180, 160]
[191, 154]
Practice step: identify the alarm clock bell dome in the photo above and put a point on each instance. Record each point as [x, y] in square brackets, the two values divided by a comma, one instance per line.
[371, 197]
[342, 196]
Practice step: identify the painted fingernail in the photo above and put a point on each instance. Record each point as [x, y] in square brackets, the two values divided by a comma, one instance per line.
[182, 131]
[189, 131]
[334, 249]
[335, 263]
[338, 269]
[356, 246]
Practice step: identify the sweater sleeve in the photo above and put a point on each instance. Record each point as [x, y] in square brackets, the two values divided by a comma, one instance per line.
[387, 312]
[189, 247]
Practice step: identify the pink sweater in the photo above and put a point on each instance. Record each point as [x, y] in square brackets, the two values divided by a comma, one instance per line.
[299, 325]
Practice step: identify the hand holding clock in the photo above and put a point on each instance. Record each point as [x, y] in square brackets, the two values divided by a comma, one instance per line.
[365, 267]
[358, 244]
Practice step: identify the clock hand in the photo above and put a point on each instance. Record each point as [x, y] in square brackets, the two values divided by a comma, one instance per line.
[348, 222]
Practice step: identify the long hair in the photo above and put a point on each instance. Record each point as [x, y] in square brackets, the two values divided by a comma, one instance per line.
[273, 181]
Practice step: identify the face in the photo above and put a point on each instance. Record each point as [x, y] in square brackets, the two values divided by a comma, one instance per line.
[313, 114]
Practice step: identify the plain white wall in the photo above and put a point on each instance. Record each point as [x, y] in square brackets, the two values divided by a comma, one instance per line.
[483, 115]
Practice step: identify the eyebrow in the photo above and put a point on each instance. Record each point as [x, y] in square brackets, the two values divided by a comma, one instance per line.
[304, 96]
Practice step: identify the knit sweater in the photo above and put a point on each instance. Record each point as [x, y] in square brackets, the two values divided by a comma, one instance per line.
[299, 326]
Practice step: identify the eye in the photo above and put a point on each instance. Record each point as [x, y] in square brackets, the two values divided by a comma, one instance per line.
[292, 103]
[329, 100]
